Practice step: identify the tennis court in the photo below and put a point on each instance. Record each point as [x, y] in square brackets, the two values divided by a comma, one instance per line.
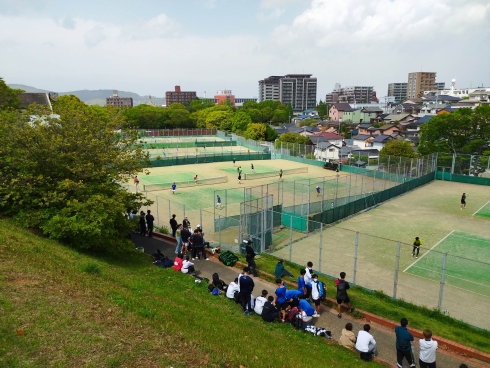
[484, 211]
[463, 269]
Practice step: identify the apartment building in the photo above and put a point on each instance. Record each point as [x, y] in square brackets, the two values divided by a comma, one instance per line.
[351, 94]
[269, 89]
[115, 100]
[398, 91]
[297, 89]
[418, 82]
[183, 97]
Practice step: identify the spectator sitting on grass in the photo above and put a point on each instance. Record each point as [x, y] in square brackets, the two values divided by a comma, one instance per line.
[259, 302]
[187, 266]
[348, 339]
[280, 271]
[269, 311]
[178, 262]
[232, 288]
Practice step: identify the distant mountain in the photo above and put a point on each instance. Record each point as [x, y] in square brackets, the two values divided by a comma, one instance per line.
[96, 97]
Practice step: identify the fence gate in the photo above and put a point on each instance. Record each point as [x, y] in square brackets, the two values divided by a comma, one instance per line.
[256, 223]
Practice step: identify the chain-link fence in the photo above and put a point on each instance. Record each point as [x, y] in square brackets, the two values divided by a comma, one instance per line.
[195, 132]
[471, 169]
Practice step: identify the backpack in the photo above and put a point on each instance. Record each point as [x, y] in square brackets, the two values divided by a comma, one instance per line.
[215, 292]
[292, 315]
[168, 263]
[321, 290]
[210, 288]
[228, 258]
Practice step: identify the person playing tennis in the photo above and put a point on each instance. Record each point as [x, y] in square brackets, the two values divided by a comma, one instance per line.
[239, 177]
[218, 201]
[174, 188]
[463, 202]
[317, 191]
[280, 175]
[195, 179]
[252, 165]
[416, 247]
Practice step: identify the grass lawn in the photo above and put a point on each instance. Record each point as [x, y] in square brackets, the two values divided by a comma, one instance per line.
[63, 308]
[382, 305]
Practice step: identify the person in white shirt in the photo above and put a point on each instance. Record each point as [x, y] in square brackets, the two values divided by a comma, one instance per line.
[187, 266]
[428, 347]
[230, 291]
[308, 278]
[260, 301]
[365, 344]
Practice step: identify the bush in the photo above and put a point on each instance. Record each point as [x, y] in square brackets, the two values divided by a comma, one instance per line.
[92, 268]
[162, 229]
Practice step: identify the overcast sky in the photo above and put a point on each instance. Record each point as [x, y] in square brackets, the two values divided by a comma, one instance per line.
[150, 46]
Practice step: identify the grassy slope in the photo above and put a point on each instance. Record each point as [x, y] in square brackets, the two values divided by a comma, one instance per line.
[60, 308]
[384, 306]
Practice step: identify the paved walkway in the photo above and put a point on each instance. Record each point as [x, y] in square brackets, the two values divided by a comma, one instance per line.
[385, 338]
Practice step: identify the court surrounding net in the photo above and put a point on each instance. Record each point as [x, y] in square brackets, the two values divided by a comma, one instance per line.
[185, 183]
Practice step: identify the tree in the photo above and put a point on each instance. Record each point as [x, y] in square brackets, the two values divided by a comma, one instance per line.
[61, 176]
[456, 132]
[280, 117]
[294, 142]
[200, 104]
[240, 121]
[147, 117]
[255, 131]
[399, 148]
[255, 115]
[216, 118]
[9, 97]
[289, 112]
[308, 122]
[180, 118]
[322, 109]
[270, 133]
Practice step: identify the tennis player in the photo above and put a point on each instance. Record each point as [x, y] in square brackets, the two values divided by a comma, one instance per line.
[218, 201]
[174, 188]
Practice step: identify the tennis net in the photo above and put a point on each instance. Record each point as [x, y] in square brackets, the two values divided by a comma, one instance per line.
[267, 174]
[185, 183]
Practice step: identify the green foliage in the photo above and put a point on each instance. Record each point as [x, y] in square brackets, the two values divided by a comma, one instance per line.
[292, 138]
[463, 131]
[280, 117]
[240, 121]
[61, 176]
[307, 122]
[311, 156]
[147, 117]
[255, 131]
[289, 112]
[396, 147]
[162, 229]
[200, 104]
[9, 97]
[270, 133]
[219, 120]
[322, 109]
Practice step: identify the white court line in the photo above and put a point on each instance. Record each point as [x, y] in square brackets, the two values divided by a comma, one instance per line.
[423, 255]
[480, 208]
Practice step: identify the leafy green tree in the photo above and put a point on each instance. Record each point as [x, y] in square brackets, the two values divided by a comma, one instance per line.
[200, 104]
[179, 118]
[280, 117]
[308, 122]
[216, 118]
[289, 112]
[247, 105]
[255, 115]
[240, 121]
[396, 147]
[9, 97]
[322, 109]
[62, 175]
[256, 131]
[270, 133]
[147, 117]
[293, 142]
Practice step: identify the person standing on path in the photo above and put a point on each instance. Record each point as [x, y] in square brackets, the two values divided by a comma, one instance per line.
[317, 191]
[136, 181]
[173, 225]
[179, 239]
[142, 223]
[218, 201]
[239, 177]
[342, 297]
[250, 255]
[463, 202]
[252, 165]
[246, 285]
[416, 247]
[149, 222]
[186, 223]
[280, 175]
[428, 347]
[234, 162]
[195, 179]
[404, 344]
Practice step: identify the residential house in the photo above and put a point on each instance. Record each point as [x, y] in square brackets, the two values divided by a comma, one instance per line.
[441, 99]
[369, 114]
[305, 131]
[387, 129]
[372, 153]
[401, 118]
[331, 137]
[336, 111]
[363, 141]
[432, 108]
[325, 151]
[446, 110]
[407, 108]
[363, 128]
[380, 140]
[346, 151]
[351, 116]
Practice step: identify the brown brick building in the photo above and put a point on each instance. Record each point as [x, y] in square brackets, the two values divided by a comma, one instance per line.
[419, 82]
[115, 100]
[178, 96]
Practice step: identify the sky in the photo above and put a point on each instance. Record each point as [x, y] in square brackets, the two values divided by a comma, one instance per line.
[208, 45]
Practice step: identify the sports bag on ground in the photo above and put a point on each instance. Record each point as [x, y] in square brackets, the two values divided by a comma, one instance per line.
[228, 258]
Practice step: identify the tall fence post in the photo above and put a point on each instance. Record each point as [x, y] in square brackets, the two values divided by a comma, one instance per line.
[169, 214]
[290, 237]
[294, 196]
[264, 225]
[184, 209]
[240, 227]
[323, 193]
[219, 231]
[356, 250]
[302, 198]
[200, 218]
[158, 217]
[443, 281]
[397, 264]
[321, 246]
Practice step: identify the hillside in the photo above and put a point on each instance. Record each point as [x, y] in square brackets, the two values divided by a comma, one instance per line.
[95, 97]
[59, 307]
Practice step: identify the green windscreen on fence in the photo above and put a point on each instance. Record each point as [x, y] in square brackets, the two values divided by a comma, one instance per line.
[440, 175]
[200, 159]
[340, 212]
[299, 222]
[189, 144]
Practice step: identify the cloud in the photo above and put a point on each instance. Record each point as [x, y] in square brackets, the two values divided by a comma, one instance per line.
[68, 23]
[95, 36]
[272, 9]
[210, 4]
[160, 26]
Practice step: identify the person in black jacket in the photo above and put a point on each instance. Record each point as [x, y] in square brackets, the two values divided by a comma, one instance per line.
[269, 311]
[250, 255]
[185, 234]
[149, 222]
[142, 223]
[173, 225]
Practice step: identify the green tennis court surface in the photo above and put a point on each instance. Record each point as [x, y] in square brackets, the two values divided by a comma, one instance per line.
[484, 211]
[155, 179]
[465, 266]
[246, 168]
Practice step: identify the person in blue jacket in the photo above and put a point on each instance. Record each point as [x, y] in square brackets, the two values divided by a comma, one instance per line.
[404, 344]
